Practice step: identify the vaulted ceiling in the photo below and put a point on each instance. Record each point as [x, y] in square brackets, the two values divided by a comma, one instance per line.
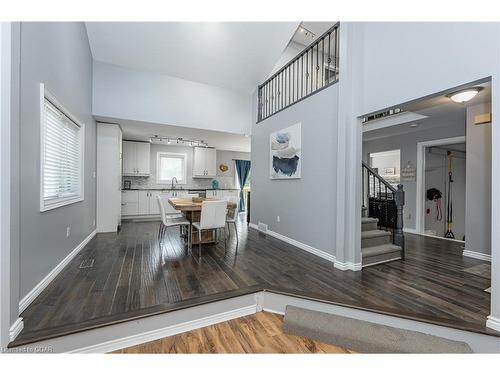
[237, 56]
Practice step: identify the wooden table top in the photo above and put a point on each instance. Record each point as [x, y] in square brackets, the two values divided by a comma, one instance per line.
[187, 204]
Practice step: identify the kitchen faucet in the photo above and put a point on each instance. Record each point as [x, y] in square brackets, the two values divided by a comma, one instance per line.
[176, 182]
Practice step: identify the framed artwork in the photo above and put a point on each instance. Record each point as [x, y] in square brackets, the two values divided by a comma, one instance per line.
[285, 153]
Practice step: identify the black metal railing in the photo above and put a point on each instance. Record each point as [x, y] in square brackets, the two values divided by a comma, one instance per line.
[384, 202]
[315, 68]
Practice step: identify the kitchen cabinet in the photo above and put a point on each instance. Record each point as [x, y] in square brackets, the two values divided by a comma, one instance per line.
[136, 158]
[130, 202]
[143, 202]
[204, 162]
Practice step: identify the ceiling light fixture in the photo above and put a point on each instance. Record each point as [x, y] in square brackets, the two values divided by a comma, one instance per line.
[464, 95]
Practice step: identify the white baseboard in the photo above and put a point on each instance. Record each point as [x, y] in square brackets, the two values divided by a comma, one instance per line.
[410, 230]
[35, 292]
[347, 266]
[493, 323]
[16, 329]
[476, 255]
[300, 245]
[141, 338]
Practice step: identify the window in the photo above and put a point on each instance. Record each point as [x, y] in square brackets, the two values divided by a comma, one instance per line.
[62, 138]
[170, 165]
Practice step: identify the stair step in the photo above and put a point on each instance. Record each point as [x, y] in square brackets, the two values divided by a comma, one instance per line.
[375, 237]
[369, 223]
[380, 254]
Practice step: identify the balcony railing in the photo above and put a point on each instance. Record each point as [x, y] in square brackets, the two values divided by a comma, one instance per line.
[315, 68]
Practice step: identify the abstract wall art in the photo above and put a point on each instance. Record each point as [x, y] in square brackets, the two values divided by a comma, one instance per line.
[285, 153]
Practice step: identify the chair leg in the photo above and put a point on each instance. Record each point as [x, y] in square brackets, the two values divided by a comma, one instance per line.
[199, 242]
[236, 233]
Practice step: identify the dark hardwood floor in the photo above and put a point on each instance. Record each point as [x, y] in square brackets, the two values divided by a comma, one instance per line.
[134, 275]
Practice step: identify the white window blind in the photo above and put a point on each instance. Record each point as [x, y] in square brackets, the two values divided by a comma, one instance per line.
[62, 158]
[170, 165]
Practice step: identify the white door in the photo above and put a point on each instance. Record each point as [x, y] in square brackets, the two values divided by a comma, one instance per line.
[210, 162]
[129, 158]
[143, 204]
[143, 157]
[199, 162]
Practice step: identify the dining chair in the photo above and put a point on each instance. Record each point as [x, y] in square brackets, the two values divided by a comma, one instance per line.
[168, 222]
[213, 217]
[232, 217]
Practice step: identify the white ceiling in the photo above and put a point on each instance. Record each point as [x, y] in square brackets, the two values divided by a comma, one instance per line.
[439, 111]
[233, 55]
[143, 131]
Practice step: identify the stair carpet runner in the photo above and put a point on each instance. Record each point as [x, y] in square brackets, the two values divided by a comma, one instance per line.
[376, 244]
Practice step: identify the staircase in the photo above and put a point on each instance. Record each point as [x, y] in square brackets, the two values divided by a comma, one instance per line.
[382, 238]
[376, 244]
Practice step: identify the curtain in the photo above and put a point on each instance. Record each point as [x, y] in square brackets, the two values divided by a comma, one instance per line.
[242, 168]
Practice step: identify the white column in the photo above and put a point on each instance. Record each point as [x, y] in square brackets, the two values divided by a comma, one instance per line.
[493, 321]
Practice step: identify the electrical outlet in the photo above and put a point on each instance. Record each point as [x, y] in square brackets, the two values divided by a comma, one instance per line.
[93, 223]
[94, 174]
[278, 219]
[68, 231]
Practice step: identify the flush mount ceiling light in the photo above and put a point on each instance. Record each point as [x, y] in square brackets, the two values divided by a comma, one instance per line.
[464, 95]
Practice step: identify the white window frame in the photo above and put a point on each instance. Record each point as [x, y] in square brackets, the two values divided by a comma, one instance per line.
[161, 154]
[46, 206]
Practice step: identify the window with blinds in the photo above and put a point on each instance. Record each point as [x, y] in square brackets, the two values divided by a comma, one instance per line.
[62, 158]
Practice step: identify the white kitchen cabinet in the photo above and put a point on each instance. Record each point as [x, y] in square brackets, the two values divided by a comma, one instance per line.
[143, 202]
[204, 162]
[136, 158]
[130, 202]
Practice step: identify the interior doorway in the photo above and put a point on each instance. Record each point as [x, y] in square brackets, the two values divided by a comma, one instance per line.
[442, 184]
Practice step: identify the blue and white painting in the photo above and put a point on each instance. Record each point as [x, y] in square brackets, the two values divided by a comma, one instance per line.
[285, 155]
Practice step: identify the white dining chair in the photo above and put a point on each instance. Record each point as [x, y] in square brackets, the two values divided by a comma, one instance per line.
[213, 217]
[232, 216]
[169, 221]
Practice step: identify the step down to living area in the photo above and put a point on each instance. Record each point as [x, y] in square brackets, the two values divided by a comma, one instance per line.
[364, 337]
[376, 244]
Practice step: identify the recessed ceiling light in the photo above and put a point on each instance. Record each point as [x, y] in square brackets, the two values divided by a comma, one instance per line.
[465, 95]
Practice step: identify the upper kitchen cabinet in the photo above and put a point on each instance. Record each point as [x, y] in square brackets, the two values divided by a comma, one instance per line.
[204, 162]
[136, 158]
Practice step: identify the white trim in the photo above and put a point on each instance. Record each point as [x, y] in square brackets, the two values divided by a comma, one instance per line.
[493, 323]
[59, 202]
[159, 333]
[16, 329]
[35, 292]
[414, 231]
[347, 266]
[476, 255]
[393, 120]
[300, 245]
[420, 201]
[5, 188]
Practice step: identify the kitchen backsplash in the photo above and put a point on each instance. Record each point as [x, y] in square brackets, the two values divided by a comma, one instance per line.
[150, 183]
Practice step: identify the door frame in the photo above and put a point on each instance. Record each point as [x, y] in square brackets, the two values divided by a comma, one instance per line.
[420, 198]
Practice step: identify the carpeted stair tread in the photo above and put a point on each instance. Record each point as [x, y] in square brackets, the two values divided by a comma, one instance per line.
[368, 220]
[379, 250]
[364, 337]
[375, 233]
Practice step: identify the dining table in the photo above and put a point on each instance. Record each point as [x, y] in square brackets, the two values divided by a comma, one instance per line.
[191, 209]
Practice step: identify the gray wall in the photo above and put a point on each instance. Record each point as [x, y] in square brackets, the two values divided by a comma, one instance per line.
[407, 143]
[57, 54]
[226, 180]
[478, 183]
[305, 216]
